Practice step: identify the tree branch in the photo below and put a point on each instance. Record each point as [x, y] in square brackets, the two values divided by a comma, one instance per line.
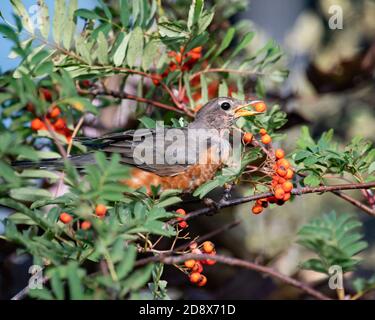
[296, 192]
[248, 265]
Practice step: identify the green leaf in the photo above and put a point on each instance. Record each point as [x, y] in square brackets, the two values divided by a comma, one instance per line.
[58, 20]
[124, 12]
[39, 174]
[168, 202]
[195, 11]
[102, 48]
[137, 280]
[20, 10]
[127, 263]
[135, 49]
[312, 180]
[44, 19]
[74, 281]
[148, 122]
[30, 194]
[226, 42]
[371, 168]
[8, 32]
[119, 56]
[7, 173]
[223, 89]
[205, 20]
[87, 14]
[150, 54]
[69, 25]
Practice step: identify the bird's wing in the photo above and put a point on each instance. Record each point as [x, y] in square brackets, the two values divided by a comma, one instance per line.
[136, 146]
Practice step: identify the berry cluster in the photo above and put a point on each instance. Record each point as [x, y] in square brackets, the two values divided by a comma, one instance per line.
[182, 224]
[281, 183]
[52, 118]
[100, 212]
[195, 267]
[182, 60]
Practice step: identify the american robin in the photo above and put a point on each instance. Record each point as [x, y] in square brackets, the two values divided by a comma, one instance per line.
[174, 158]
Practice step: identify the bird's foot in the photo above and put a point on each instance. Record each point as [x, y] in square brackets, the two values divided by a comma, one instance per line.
[208, 202]
[227, 192]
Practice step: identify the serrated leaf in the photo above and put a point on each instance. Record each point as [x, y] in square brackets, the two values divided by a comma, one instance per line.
[58, 19]
[102, 48]
[44, 19]
[69, 25]
[119, 55]
[195, 11]
[20, 10]
[30, 194]
[135, 47]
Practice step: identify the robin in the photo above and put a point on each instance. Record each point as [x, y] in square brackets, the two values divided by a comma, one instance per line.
[177, 158]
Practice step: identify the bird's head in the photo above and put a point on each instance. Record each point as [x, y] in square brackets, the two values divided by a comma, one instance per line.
[220, 113]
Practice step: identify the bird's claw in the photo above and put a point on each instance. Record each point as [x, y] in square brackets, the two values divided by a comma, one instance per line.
[208, 202]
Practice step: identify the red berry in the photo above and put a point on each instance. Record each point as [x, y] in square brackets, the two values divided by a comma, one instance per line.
[37, 124]
[208, 247]
[100, 210]
[287, 186]
[190, 263]
[202, 282]
[183, 224]
[197, 267]
[46, 94]
[279, 193]
[247, 137]
[260, 107]
[181, 211]
[266, 139]
[86, 225]
[55, 112]
[65, 217]
[279, 153]
[257, 209]
[195, 277]
[59, 124]
[263, 131]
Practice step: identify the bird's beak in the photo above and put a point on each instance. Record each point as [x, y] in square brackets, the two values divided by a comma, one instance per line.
[246, 110]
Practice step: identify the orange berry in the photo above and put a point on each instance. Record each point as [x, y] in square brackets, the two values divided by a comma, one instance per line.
[274, 183]
[283, 163]
[289, 174]
[178, 58]
[197, 49]
[55, 112]
[190, 263]
[181, 211]
[156, 78]
[100, 210]
[260, 107]
[266, 139]
[59, 124]
[183, 224]
[65, 217]
[202, 282]
[281, 172]
[287, 186]
[281, 180]
[279, 193]
[197, 267]
[279, 153]
[195, 277]
[287, 197]
[210, 262]
[208, 247]
[86, 225]
[247, 137]
[263, 131]
[257, 209]
[37, 124]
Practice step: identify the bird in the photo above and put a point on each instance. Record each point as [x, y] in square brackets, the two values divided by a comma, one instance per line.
[184, 163]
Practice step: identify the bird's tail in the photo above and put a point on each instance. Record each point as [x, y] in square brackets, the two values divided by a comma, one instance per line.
[78, 161]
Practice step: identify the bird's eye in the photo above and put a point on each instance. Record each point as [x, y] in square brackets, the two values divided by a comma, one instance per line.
[225, 106]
